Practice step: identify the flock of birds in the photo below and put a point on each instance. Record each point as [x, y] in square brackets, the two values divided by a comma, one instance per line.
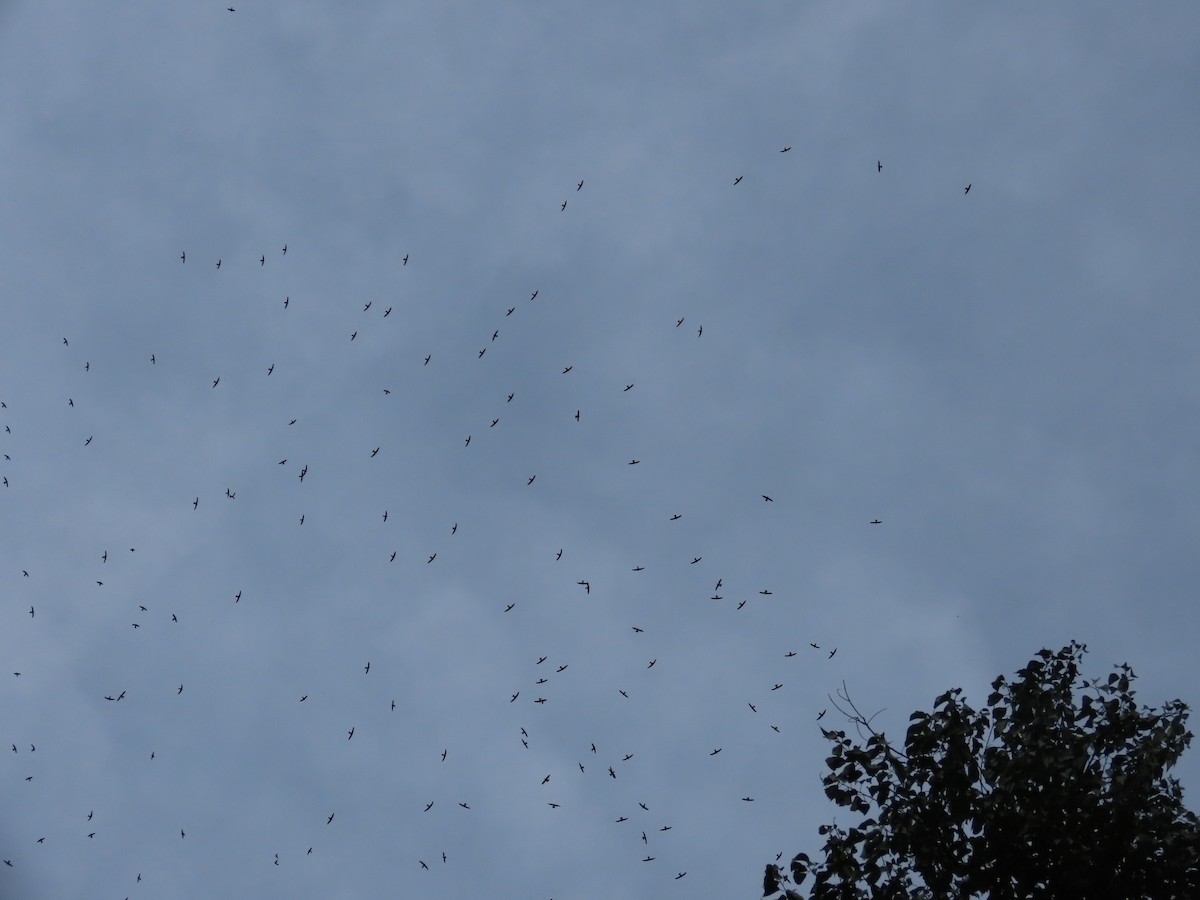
[534, 692]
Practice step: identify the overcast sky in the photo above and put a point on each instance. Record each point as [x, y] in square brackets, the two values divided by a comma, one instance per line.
[1006, 378]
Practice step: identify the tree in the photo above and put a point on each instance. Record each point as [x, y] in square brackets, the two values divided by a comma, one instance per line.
[1034, 796]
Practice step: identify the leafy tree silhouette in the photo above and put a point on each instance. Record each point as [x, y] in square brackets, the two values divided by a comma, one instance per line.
[1034, 796]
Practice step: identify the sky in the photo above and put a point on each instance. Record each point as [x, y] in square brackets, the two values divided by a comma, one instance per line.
[767, 279]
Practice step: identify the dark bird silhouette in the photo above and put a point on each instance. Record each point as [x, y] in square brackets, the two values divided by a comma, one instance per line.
[468, 443]
[676, 516]
[367, 668]
[638, 568]
[285, 249]
[785, 149]
[576, 415]
[218, 264]
[368, 305]
[454, 528]
[443, 856]
[587, 586]
[629, 387]
[444, 752]
[665, 828]
[183, 256]
[262, 260]
[374, 453]
[510, 396]
[831, 652]
[481, 352]
[822, 715]
[270, 368]
[564, 206]
[393, 706]
[593, 748]
[464, 806]
[715, 752]
[544, 780]
[286, 300]
[429, 806]
[427, 358]
[748, 799]
[638, 630]
[385, 515]
[567, 369]
[777, 687]
[651, 664]
[680, 875]
[330, 819]
[765, 592]
[814, 646]
[679, 321]
[611, 772]
[767, 499]
[530, 481]
[494, 423]
[740, 605]
[878, 166]
[509, 607]
[514, 697]
[404, 262]
[533, 296]
[542, 660]
[88, 441]
[753, 708]
[790, 653]
[495, 334]
[237, 597]
[737, 180]
[561, 668]
[431, 558]
[350, 733]
[511, 310]
[387, 312]
[579, 186]
[696, 559]
[876, 522]
[775, 728]
[700, 331]
[967, 189]
[648, 859]
[623, 819]
[422, 862]
[354, 335]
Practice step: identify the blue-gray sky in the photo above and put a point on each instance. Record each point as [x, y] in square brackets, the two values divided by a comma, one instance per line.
[1005, 378]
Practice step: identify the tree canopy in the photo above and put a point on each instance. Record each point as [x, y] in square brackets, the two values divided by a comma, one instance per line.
[1056, 788]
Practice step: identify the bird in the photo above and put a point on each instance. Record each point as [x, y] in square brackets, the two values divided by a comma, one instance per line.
[696, 559]
[514, 697]
[822, 714]
[629, 387]
[429, 806]
[182, 835]
[748, 799]
[639, 568]
[350, 733]
[831, 652]
[286, 300]
[218, 264]
[262, 260]
[878, 166]
[121, 696]
[627, 757]
[495, 334]
[740, 605]
[330, 819]
[775, 728]
[967, 189]
[567, 369]
[422, 862]
[564, 206]
[404, 262]
[393, 705]
[636, 629]
[676, 516]
[680, 875]
[183, 256]
[216, 381]
[576, 415]
[180, 691]
[648, 859]
[533, 296]
[753, 708]
[374, 453]
[31, 612]
[875, 522]
[665, 828]
[561, 668]
[544, 780]
[509, 607]
[679, 321]
[737, 180]
[354, 335]
[623, 819]
[270, 368]
[510, 396]
[88, 441]
[611, 772]
[454, 528]
[542, 660]
[385, 515]
[767, 499]
[444, 754]
[468, 443]
[587, 586]
[776, 687]
[579, 186]
[387, 312]
[530, 481]
[715, 752]
[368, 306]
[431, 558]
[427, 358]
[765, 592]
[790, 653]
[652, 662]
[285, 249]
[511, 310]
[814, 646]
[785, 149]
[367, 668]
[494, 423]
[464, 806]
[443, 856]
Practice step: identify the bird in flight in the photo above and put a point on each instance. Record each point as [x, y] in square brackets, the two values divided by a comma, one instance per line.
[639, 568]
[431, 558]
[511, 310]
[387, 312]
[777, 687]
[530, 481]
[564, 206]
[967, 189]
[218, 264]
[785, 149]
[367, 668]
[533, 296]
[567, 369]
[676, 516]
[509, 607]
[196, 503]
[422, 862]
[262, 260]
[368, 306]
[876, 522]
[427, 358]
[270, 368]
[330, 819]
[285, 249]
[738, 179]
[350, 733]
[767, 499]
[652, 662]
[753, 708]
[790, 653]
[579, 186]
[576, 415]
[831, 652]
[429, 806]
[696, 560]
[404, 262]
[374, 452]
[878, 166]
[822, 714]
[464, 806]
[444, 755]
[286, 300]
[183, 256]
[636, 629]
